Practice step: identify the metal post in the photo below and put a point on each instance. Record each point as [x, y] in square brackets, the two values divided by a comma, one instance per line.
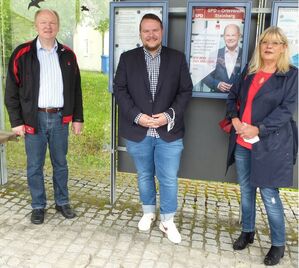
[260, 26]
[258, 22]
[3, 166]
[263, 19]
[113, 150]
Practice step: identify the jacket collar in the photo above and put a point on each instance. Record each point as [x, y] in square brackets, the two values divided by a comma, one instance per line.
[60, 47]
[39, 45]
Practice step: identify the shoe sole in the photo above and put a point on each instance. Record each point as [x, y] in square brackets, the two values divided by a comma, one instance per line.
[272, 264]
[244, 247]
[37, 222]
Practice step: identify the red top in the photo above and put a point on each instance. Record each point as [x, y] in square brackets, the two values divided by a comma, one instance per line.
[259, 79]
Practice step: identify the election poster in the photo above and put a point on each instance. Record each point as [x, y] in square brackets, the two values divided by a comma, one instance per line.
[216, 48]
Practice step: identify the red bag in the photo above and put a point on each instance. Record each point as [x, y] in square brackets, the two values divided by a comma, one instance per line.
[225, 125]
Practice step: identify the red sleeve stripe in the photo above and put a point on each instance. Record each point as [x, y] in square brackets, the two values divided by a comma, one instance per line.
[66, 119]
[29, 129]
[15, 61]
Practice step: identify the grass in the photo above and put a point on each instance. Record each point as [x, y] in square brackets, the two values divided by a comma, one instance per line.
[88, 152]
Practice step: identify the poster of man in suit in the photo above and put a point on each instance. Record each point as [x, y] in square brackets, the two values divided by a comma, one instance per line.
[216, 48]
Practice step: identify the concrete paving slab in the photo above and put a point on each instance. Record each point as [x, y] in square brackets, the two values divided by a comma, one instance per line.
[107, 236]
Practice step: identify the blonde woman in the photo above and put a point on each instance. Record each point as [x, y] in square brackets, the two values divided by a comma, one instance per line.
[263, 140]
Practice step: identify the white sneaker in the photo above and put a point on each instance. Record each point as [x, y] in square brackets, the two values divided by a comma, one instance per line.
[169, 228]
[146, 221]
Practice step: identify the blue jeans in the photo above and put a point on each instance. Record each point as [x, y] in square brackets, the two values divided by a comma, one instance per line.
[270, 197]
[152, 157]
[52, 132]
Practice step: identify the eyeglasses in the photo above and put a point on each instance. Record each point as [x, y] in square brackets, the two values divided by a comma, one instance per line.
[272, 43]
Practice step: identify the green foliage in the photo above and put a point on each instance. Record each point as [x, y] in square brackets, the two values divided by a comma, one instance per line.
[98, 10]
[88, 149]
[5, 34]
[22, 29]
[88, 152]
[103, 27]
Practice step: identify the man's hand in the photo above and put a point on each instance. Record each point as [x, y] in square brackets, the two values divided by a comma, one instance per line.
[77, 128]
[159, 120]
[146, 121]
[19, 130]
[224, 87]
[155, 121]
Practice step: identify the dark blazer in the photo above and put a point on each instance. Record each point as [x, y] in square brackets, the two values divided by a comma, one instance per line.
[132, 92]
[272, 158]
[220, 74]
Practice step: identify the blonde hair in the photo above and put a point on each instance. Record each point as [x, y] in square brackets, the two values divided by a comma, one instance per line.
[48, 10]
[283, 63]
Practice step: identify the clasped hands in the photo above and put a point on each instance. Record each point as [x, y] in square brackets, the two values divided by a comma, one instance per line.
[154, 121]
[246, 131]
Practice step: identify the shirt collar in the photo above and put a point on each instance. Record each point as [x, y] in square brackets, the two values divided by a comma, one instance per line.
[39, 45]
[147, 53]
[235, 51]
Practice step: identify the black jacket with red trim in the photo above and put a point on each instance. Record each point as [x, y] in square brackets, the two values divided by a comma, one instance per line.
[22, 86]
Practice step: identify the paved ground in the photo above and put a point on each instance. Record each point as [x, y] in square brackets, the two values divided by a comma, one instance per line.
[105, 236]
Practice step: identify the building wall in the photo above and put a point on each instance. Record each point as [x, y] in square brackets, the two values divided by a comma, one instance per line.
[88, 47]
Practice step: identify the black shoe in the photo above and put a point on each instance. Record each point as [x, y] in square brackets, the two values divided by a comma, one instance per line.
[274, 255]
[66, 211]
[38, 216]
[244, 239]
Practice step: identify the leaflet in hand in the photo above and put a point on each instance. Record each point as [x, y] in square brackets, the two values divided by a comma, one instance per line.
[252, 140]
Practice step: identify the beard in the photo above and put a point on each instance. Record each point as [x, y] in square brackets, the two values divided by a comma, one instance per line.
[150, 49]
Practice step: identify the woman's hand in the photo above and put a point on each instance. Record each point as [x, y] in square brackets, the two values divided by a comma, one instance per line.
[247, 131]
[237, 124]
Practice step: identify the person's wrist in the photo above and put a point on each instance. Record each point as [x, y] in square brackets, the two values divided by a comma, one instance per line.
[257, 130]
[235, 120]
